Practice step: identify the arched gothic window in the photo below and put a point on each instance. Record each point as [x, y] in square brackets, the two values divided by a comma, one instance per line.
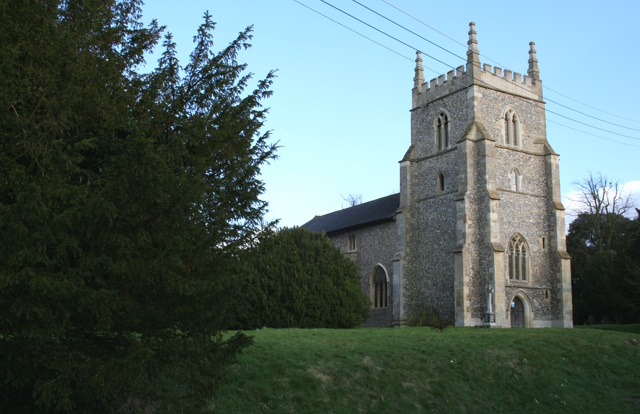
[442, 131]
[512, 128]
[515, 180]
[379, 291]
[518, 258]
[441, 182]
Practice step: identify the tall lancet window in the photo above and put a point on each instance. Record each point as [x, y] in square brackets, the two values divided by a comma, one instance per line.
[442, 131]
[379, 293]
[518, 253]
[515, 180]
[512, 128]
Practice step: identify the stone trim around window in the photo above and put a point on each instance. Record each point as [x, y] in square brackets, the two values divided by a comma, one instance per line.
[518, 259]
[379, 287]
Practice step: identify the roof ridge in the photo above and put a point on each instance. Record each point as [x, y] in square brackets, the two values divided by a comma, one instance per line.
[371, 212]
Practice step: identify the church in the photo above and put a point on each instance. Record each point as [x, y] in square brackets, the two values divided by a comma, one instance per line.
[477, 232]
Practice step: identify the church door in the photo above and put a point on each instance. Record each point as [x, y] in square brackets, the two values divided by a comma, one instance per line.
[517, 313]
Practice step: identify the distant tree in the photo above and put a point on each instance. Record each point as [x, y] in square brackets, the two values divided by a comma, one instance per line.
[124, 198]
[604, 248]
[296, 278]
[606, 204]
[352, 199]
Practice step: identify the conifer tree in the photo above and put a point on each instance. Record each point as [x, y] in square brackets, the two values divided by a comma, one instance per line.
[296, 278]
[124, 197]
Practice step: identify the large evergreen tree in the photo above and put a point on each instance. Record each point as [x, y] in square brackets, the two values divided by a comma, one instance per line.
[123, 199]
[296, 278]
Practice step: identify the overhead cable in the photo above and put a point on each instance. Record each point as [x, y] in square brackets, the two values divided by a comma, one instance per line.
[479, 80]
[544, 86]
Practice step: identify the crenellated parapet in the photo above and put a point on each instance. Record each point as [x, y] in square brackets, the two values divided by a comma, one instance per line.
[527, 86]
[510, 82]
[441, 86]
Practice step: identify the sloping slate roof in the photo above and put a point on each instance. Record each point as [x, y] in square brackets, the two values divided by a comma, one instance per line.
[362, 215]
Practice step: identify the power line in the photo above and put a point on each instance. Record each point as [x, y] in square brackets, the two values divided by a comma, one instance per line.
[367, 24]
[589, 106]
[368, 38]
[545, 87]
[430, 27]
[442, 33]
[460, 57]
[591, 116]
[358, 33]
[385, 33]
[593, 135]
[446, 64]
[412, 32]
[591, 126]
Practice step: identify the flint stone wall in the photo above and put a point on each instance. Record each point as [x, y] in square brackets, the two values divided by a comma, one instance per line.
[492, 107]
[374, 245]
[423, 122]
[431, 227]
[429, 276]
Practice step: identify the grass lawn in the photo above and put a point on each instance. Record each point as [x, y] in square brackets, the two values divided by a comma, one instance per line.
[421, 370]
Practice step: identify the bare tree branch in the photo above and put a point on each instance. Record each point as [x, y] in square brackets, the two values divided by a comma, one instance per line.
[352, 199]
[604, 201]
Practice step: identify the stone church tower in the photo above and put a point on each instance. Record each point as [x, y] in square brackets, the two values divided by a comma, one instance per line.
[478, 233]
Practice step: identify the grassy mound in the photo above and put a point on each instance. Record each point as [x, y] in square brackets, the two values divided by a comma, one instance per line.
[420, 370]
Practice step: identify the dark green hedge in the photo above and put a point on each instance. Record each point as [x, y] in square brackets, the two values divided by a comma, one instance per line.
[295, 278]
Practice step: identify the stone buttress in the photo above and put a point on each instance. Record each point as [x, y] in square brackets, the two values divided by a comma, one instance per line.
[480, 224]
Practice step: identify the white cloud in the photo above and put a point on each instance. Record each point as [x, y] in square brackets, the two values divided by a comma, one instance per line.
[573, 204]
[633, 189]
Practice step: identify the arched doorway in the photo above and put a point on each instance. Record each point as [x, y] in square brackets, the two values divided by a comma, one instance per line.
[517, 313]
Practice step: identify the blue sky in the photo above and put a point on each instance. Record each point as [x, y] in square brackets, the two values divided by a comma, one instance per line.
[341, 102]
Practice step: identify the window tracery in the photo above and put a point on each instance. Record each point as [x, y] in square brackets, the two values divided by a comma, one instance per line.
[518, 259]
[512, 128]
[442, 132]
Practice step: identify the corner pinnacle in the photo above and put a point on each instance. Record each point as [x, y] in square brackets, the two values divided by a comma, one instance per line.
[473, 55]
[533, 71]
[418, 79]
